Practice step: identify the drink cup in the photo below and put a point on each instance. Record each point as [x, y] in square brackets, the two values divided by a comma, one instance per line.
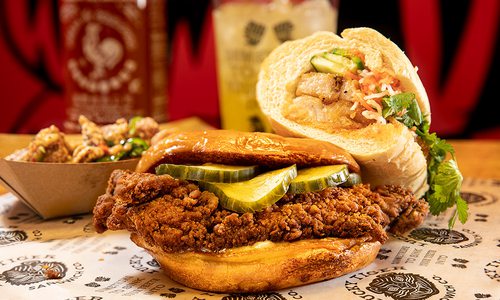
[245, 33]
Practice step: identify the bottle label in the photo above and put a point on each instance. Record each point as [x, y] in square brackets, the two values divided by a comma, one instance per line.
[107, 61]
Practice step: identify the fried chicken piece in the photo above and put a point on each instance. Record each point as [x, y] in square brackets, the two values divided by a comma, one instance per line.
[116, 132]
[146, 128]
[49, 145]
[93, 145]
[177, 216]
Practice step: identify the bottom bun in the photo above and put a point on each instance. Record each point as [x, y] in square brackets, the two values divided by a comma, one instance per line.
[266, 265]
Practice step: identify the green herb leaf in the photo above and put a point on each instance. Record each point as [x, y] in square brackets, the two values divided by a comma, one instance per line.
[138, 146]
[444, 177]
[415, 113]
[446, 184]
[396, 104]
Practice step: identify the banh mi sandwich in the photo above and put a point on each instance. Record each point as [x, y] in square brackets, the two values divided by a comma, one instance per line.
[229, 211]
[361, 93]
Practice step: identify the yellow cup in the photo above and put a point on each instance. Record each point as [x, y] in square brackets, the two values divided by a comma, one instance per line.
[245, 32]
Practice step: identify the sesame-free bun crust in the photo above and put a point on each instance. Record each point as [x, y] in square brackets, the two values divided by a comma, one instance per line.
[243, 148]
[387, 153]
[266, 265]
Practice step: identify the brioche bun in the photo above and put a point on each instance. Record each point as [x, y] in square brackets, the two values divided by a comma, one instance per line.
[266, 265]
[387, 153]
[242, 148]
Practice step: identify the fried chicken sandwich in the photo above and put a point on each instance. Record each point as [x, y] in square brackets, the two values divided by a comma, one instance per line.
[229, 211]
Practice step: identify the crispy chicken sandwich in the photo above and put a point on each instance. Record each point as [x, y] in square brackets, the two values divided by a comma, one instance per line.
[360, 92]
[229, 211]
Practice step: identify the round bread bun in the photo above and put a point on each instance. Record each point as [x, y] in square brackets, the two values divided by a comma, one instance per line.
[242, 148]
[387, 153]
[266, 265]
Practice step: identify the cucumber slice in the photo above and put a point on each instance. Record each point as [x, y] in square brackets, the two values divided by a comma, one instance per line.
[353, 179]
[324, 65]
[333, 63]
[208, 172]
[359, 63]
[255, 194]
[318, 178]
[346, 63]
[343, 52]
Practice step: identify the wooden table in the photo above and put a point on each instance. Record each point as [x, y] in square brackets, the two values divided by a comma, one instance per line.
[476, 158]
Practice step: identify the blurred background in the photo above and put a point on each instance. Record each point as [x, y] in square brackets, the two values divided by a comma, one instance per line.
[454, 43]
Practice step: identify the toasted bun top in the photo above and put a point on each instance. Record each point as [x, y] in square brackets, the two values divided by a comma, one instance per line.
[243, 148]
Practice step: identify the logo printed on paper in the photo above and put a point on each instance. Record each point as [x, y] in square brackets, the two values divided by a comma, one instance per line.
[174, 293]
[465, 238]
[131, 286]
[396, 283]
[383, 254]
[144, 263]
[438, 236]
[38, 271]
[12, 236]
[401, 286]
[34, 271]
[479, 199]
[98, 279]
[492, 270]
[459, 263]
[481, 218]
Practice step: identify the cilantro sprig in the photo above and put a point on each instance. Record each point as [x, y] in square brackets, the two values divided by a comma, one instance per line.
[444, 177]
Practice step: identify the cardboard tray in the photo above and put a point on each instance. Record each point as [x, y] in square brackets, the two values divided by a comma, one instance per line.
[59, 189]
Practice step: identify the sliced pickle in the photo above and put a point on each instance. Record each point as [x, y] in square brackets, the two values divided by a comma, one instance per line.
[208, 172]
[318, 178]
[254, 194]
[353, 179]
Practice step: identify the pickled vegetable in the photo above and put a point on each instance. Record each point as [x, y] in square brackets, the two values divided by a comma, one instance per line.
[255, 194]
[318, 178]
[208, 172]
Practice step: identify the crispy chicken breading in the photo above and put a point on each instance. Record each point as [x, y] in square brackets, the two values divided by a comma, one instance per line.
[177, 216]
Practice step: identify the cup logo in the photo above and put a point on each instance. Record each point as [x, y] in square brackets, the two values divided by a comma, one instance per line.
[12, 236]
[439, 236]
[34, 271]
[283, 31]
[254, 32]
[401, 286]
